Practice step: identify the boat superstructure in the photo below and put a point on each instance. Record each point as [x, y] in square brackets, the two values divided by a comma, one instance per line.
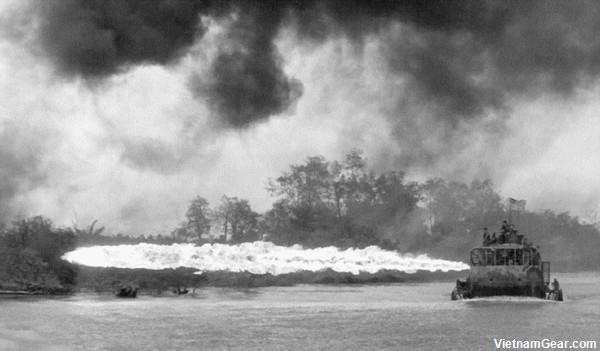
[507, 265]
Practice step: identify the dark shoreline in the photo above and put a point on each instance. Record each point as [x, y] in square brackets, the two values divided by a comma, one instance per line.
[166, 281]
[103, 279]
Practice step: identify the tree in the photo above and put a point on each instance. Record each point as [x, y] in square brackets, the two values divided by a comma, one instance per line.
[90, 234]
[275, 224]
[446, 203]
[337, 203]
[307, 190]
[238, 221]
[349, 186]
[198, 220]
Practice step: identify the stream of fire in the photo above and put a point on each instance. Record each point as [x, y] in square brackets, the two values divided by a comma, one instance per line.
[257, 257]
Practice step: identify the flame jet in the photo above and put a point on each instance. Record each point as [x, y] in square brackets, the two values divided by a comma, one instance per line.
[257, 258]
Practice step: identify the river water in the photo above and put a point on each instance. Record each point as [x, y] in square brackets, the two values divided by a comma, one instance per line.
[367, 317]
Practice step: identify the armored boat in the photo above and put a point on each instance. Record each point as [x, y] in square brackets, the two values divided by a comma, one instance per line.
[507, 265]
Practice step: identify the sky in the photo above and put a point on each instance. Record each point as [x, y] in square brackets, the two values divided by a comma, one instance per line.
[124, 111]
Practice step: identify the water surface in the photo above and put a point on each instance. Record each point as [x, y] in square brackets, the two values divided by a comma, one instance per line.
[306, 317]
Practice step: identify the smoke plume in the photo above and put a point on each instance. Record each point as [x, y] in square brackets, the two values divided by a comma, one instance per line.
[433, 88]
[246, 82]
[95, 39]
[21, 168]
[257, 257]
[462, 58]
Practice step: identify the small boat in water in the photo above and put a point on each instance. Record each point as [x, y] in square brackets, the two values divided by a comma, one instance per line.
[180, 291]
[507, 265]
[127, 291]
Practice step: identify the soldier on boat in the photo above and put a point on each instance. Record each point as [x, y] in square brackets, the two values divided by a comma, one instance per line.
[507, 264]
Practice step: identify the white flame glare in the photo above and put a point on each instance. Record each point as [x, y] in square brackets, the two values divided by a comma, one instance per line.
[257, 258]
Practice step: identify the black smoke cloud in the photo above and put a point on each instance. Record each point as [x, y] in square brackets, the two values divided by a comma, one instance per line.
[463, 58]
[474, 62]
[247, 82]
[463, 61]
[467, 56]
[95, 39]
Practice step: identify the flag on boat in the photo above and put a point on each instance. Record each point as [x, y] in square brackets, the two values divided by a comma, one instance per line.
[517, 205]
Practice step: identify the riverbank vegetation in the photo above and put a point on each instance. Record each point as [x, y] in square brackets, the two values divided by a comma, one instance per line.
[315, 203]
[30, 251]
[345, 204]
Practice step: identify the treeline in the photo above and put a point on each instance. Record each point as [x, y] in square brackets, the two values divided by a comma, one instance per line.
[339, 203]
[232, 221]
[315, 204]
[343, 203]
[319, 203]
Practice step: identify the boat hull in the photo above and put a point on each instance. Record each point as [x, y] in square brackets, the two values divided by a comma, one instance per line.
[515, 280]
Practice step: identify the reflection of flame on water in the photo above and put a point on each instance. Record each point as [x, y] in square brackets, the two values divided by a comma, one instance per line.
[507, 299]
[258, 257]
